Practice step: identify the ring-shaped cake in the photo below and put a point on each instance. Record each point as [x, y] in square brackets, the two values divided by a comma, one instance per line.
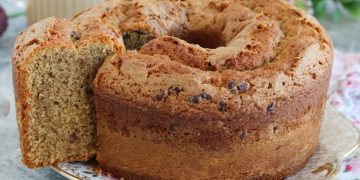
[210, 89]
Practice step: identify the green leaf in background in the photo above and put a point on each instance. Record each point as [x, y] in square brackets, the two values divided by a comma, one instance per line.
[352, 6]
[319, 7]
[336, 15]
[348, 1]
[16, 14]
[301, 4]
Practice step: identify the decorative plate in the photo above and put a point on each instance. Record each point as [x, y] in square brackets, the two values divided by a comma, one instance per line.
[338, 139]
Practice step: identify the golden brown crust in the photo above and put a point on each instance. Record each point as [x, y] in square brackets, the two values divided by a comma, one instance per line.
[308, 63]
[279, 56]
[182, 147]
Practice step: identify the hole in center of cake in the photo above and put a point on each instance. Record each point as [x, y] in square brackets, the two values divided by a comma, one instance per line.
[205, 39]
[135, 39]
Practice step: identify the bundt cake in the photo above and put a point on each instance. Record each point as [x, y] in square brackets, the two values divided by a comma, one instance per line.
[208, 89]
[238, 92]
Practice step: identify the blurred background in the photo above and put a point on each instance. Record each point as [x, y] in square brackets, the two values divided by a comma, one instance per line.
[340, 18]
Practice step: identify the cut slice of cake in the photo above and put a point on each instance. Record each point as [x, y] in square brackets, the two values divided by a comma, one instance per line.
[54, 65]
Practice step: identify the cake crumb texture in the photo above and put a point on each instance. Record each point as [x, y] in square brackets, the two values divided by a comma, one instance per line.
[53, 71]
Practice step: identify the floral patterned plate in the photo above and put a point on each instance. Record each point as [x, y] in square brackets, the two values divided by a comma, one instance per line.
[338, 139]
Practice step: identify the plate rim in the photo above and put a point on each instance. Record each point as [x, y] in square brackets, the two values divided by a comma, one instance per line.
[340, 160]
[64, 173]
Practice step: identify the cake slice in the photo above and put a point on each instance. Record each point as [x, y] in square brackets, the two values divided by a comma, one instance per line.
[54, 64]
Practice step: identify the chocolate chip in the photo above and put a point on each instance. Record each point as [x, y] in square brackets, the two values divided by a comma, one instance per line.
[231, 84]
[222, 106]
[224, 66]
[195, 99]
[124, 131]
[160, 95]
[275, 128]
[89, 90]
[74, 36]
[271, 107]
[51, 74]
[73, 137]
[174, 126]
[210, 67]
[206, 96]
[232, 87]
[175, 90]
[242, 134]
[243, 87]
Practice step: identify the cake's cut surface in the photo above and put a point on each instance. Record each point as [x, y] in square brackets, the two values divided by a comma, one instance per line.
[54, 68]
[63, 116]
